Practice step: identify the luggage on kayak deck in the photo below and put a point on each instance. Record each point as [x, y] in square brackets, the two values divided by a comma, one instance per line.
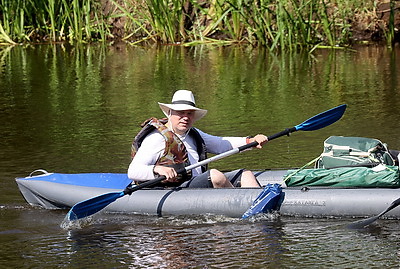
[340, 151]
[356, 177]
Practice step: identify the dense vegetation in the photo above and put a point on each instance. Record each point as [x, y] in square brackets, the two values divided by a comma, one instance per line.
[285, 24]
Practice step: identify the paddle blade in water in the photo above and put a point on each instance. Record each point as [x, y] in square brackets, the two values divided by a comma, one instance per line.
[92, 205]
[363, 223]
[266, 202]
[323, 119]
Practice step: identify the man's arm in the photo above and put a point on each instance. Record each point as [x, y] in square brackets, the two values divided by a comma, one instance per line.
[141, 167]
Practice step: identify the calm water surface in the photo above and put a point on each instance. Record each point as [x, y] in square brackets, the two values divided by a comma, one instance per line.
[77, 109]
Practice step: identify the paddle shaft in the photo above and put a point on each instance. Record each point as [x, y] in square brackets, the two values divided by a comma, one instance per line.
[285, 132]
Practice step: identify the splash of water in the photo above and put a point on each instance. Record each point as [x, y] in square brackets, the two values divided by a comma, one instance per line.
[76, 223]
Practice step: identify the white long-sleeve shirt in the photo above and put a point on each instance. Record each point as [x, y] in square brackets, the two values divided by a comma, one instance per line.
[153, 146]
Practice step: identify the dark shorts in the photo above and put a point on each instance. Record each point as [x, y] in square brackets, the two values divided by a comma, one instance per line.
[204, 181]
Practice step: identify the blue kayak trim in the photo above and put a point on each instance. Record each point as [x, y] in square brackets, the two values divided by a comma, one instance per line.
[96, 180]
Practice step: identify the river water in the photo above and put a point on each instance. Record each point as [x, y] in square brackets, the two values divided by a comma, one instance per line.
[76, 109]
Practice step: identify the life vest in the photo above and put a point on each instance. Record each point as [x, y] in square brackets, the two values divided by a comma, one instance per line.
[175, 153]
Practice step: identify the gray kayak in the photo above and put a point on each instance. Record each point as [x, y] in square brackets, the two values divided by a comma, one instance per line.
[62, 191]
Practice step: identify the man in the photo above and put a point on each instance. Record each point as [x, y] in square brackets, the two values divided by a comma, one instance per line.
[163, 146]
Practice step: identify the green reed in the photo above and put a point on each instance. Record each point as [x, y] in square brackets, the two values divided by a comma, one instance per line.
[52, 20]
[277, 25]
[166, 19]
[285, 24]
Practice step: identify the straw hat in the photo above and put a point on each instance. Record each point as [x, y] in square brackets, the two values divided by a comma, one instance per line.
[183, 100]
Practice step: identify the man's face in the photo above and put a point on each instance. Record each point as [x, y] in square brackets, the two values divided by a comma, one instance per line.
[181, 121]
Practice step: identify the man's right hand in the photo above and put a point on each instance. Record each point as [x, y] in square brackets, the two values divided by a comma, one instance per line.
[169, 173]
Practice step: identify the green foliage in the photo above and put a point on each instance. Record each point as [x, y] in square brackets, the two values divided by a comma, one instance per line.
[277, 25]
[52, 20]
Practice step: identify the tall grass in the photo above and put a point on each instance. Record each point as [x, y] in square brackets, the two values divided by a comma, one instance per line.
[277, 25]
[52, 20]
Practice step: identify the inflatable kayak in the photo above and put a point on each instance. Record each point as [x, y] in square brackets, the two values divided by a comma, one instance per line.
[62, 191]
[87, 194]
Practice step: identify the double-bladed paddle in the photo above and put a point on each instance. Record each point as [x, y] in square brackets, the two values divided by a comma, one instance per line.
[365, 222]
[95, 204]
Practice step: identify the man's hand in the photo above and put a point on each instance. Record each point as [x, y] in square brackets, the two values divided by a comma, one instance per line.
[260, 139]
[169, 173]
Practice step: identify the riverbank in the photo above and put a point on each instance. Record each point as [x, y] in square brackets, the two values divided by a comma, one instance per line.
[278, 25]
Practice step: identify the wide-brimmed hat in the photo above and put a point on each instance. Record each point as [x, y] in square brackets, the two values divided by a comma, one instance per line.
[183, 100]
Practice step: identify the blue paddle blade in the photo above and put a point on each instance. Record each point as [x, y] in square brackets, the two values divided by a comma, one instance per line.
[92, 205]
[267, 201]
[323, 119]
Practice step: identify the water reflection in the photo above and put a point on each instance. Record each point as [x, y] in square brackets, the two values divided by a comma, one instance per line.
[131, 242]
[77, 108]
[66, 104]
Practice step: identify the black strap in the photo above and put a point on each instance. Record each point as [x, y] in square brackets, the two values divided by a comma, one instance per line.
[183, 102]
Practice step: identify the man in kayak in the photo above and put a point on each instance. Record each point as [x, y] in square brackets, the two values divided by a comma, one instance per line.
[163, 146]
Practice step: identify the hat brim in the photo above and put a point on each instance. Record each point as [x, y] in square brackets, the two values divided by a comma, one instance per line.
[198, 112]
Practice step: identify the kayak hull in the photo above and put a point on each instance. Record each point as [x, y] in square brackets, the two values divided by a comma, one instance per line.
[62, 191]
